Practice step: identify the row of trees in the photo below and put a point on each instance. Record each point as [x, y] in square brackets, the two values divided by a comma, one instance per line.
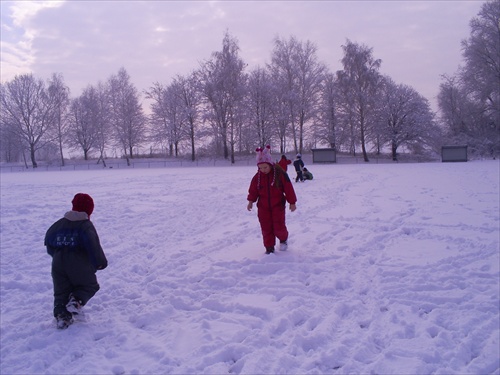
[41, 119]
[293, 103]
[469, 101]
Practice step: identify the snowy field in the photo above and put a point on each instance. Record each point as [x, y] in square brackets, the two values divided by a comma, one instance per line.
[391, 269]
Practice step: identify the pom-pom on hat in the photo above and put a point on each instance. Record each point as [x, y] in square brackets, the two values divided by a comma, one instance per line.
[264, 155]
[83, 203]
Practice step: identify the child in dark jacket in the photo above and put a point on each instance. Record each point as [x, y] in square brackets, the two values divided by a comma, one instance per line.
[271, 189]
[299, 166]
[307, 174]
[76, 252]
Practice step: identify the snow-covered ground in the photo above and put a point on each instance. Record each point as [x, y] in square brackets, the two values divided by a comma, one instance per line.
[391, 269]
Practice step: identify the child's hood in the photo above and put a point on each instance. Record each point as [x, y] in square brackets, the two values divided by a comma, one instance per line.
[76, 216]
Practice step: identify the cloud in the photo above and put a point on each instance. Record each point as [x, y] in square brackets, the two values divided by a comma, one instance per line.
[156, 40]
[17, 55]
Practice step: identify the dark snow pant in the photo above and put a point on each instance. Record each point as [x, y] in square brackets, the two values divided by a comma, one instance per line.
[272, 224]
[299, 176]
[72, 273]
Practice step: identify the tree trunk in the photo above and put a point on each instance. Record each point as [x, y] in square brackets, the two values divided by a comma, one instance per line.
[101, 157]
[192, 143]
[226, 148]
[363, 141]
[32, 154]
[394, 148]
[25, 161]
[61, 152]
[363, 146]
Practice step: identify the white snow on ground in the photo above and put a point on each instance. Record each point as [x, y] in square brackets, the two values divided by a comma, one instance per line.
[391, 269]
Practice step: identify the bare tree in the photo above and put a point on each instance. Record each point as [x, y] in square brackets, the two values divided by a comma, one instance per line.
[158, 119]
[281, 117]
[311, 74]
[298, 75]
[84, 119]
[405, 117]
[481, 52]
[59, 93]
[464, 118]
[328, 127]
[284, 73]
[127, 117]
[469, 102]
[258, 107]
[453, 104]
[168, 115]
[10, 144]
[223, 82]
[360, 81]
[175, 117]
[28, 111]
[103, 126]
[189, 99]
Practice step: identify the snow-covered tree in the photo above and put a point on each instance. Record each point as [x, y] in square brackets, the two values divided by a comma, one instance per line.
[360, 81]
[328, 127]
[481, 52]
[405, 117]
[103, 125]
[298, 77]
[88, 125]
[188, 98]
[174, 113]
[127, 117]
[11, 145]
[28, 111]
[470, 101]
[223, 86]
[259, 103]
[59, 93]
[158, 119]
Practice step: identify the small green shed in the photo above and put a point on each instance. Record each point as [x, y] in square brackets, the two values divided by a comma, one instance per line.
[453, 153]
[324, 155]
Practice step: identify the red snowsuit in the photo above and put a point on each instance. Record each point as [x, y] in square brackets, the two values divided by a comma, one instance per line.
[284, 162]
[271, 204]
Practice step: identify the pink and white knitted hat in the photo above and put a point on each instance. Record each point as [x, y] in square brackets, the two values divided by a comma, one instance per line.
[264, 155]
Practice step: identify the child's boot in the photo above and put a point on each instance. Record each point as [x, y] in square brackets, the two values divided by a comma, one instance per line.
[283, 245]
[74, 305]
[64, 320]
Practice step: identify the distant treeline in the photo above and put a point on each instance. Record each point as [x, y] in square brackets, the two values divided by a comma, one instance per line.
[292, 103]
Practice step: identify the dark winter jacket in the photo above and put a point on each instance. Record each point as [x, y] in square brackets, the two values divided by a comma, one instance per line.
[307, 175]
[75, 232]
[298, 164]
[267, 193]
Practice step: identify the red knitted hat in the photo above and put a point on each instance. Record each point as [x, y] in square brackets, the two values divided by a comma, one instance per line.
[83, 203]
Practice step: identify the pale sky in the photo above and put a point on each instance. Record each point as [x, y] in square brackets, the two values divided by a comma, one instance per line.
[87, 41]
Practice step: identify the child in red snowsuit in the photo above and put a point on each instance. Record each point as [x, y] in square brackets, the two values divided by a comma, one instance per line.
[284, 162]
[271, 188]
